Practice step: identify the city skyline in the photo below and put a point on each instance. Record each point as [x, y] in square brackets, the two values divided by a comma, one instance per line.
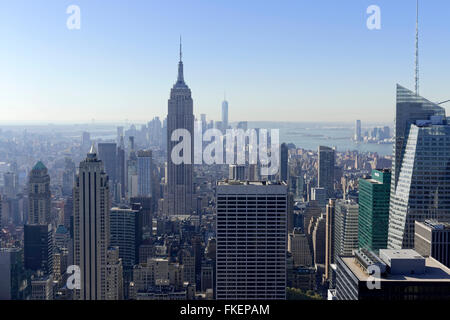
[200, 203]
[92, 71]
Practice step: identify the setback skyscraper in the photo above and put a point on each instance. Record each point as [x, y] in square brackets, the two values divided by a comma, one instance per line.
[91, 227]
[39, 195]
[179, 176]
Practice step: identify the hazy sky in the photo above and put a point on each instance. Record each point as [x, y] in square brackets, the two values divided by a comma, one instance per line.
[297, 60]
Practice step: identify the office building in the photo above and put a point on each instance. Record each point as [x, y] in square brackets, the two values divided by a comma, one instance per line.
[121, 168]
[179, 179]
[114, 275]
[299, 247]
[107, 153]
[12, 274]
[358, 136]
[373, 216]
[251, 240]
[432, 239]
[326, 170]
[91, 227]
[42, 288]
[284, 162]
[236, 172]
[345, 228]
[329, 237]
[318, 241]
[39, 196]
[402, 275]
[126, 233]
[224, 115]
[132, 172]
[144, 162]
[320, 195]
[420, 170]
[38, 248]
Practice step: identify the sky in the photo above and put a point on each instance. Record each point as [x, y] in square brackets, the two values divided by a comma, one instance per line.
[283, 60]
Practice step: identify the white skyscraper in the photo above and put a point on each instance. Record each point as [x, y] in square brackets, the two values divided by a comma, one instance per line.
[91, 227]
[345, 227]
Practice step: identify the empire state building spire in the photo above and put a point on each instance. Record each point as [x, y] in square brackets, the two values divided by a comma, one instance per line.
[180, 66]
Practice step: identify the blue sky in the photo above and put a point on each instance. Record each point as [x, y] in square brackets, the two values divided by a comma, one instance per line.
[286, 60]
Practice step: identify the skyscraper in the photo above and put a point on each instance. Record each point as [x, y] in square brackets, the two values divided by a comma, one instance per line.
[251, 240]
[132, 172]
[284, 165]
[126, 234]
[39, 196]
[329, 237]
[345, 228]
[144, 162]
[224, 115]
[107, 153]
[38, 248]
[179, 176]
[91, 227]
[358, 131]
[319, 242]
[326, 170]
[421, 167]
[11, 274]
[121, 170]
[68, 177]
[432, 239]
[373, 217]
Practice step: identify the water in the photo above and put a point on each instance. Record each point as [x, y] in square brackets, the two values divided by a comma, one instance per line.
[310, 136]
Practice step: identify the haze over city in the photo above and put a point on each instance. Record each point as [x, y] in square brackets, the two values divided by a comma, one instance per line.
[309, 61]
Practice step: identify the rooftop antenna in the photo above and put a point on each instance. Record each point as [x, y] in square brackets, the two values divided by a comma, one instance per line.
[417, 49]
[181, 50]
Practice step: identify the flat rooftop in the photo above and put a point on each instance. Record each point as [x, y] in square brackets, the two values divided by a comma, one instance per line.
[249, 183]
[434, 224]
[434, 272]
[401, 254]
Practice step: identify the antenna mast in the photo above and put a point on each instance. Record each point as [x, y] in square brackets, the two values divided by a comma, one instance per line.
[417, 49]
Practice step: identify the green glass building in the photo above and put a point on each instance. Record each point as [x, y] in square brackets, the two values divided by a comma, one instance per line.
[373, 218]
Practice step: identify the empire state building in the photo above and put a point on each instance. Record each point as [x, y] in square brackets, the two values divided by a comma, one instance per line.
[179, 185]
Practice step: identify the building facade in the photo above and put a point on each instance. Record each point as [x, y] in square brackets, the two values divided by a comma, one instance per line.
[373, 217]
[251, 240]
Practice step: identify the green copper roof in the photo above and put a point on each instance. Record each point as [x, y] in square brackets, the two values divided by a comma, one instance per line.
[39, 166]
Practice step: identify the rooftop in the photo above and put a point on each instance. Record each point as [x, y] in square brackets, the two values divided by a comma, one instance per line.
[39, 166]
[434, 272]
[437, 225]
[249, 183]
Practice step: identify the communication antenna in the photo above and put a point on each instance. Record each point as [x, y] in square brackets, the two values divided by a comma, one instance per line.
[417, 49]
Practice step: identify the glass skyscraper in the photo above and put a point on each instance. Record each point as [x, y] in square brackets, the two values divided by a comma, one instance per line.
[373, 216]
[420, 186]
